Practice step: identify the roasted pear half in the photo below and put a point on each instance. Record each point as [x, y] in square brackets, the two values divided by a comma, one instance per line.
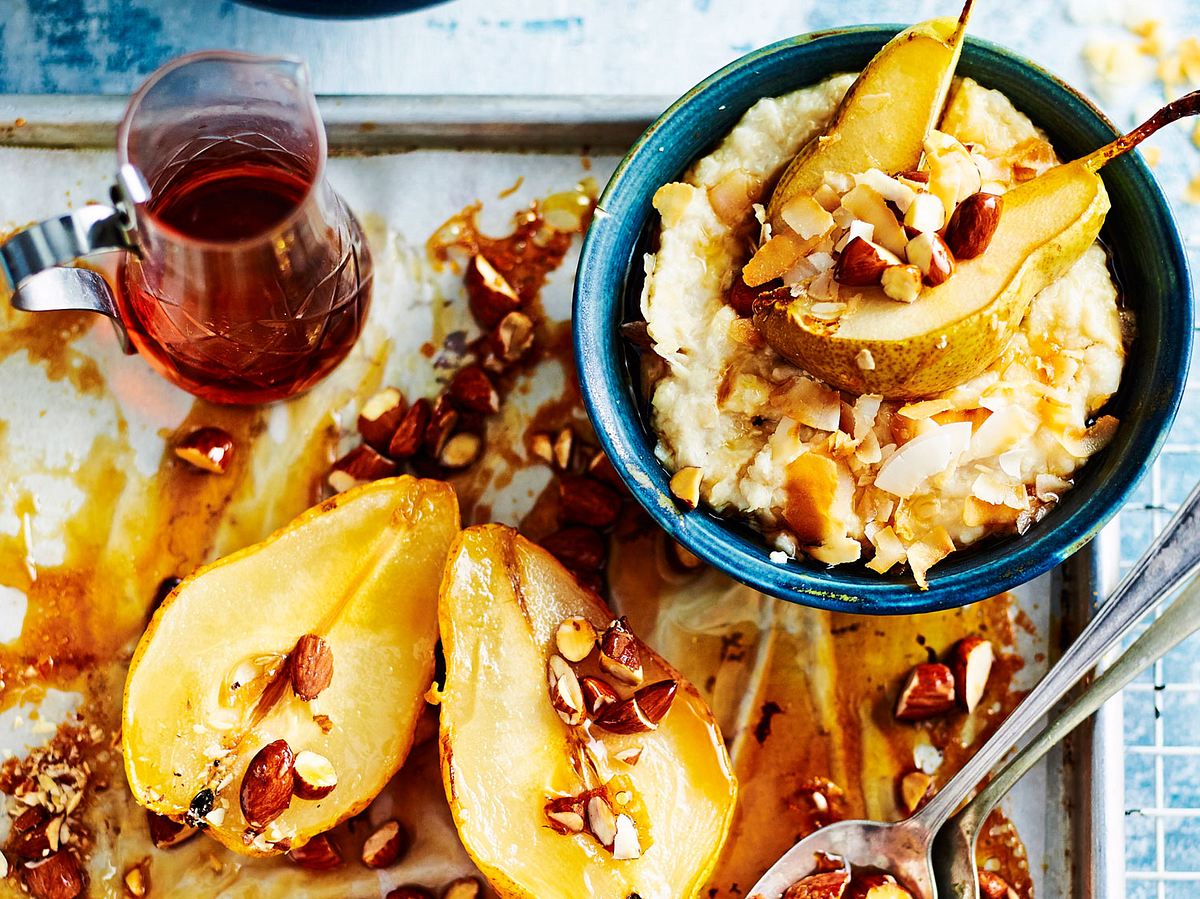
[884, 117]
[321, 638]
[509, 757]
[955, 330]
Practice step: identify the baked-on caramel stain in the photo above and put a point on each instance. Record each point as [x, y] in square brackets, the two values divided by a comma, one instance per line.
[833, 731]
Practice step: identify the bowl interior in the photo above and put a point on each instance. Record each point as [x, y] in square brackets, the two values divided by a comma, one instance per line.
[1147, 256]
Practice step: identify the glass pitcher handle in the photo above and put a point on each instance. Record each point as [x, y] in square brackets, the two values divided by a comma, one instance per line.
[35, 260]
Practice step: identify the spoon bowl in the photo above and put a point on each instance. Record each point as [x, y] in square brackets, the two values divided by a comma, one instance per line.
[902, 849]
[906, 848]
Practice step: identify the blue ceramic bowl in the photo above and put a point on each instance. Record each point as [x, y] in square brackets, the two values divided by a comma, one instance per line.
[1148, 258]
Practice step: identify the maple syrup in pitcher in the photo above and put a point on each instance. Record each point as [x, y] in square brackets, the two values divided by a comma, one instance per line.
[253, 278]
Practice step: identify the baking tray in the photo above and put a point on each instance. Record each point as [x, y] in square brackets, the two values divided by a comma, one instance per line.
[1075, 799]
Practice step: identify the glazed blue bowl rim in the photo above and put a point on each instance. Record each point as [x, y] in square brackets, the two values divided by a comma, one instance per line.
[612, 249]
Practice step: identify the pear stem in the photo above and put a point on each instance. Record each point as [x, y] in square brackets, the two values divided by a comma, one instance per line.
[961, 29]
[1187, 105]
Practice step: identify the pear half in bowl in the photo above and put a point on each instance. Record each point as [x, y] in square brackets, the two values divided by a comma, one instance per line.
[217, 678]
[507, 753]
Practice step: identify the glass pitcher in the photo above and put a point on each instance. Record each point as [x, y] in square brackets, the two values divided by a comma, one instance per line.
[244, 277]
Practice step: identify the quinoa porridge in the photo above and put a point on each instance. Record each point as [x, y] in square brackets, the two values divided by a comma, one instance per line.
[841, 477]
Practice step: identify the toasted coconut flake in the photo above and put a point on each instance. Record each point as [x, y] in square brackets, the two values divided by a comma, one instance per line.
[925, 409]
[866, 203]
[866, 409]
[927, 552]
[864, 360]
[811, 403]
[1050, 488]
[1012, 463]
[889, 551]
[823, 287]
[1004, 429]
[806, 217]
[1085, 443]
[891, 189]
[868, 451]
[997, 491]
[923, 457]
[837, 551]
[774, 259]
[857, 228]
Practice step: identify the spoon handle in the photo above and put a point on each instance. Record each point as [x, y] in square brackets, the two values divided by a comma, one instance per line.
[1175, 625]
[1174, 556]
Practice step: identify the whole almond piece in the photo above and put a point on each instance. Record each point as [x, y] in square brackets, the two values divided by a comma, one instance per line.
[310, 667]
[621, 653]
[827, 885]
[587, 502]
[566, 814]
[929, 253]
[641, 712]
[971, 661]
[597, 694]
[565, 694]
[601, 820]
[973, 225]
[313, 776]
[410, 433]
[993, 886]
[209, 449]
[656, 699]
[914, 787]
[575, 639]
[409, 891]
[443, 419]
[473, 391]
[508, 342]
[57, 877]
[318, 854]
[364, 463]
[385, 846]
[741, 296]
[267, 785]
[489, 294]
[165, 833]
[862, 263]
[380, 416]
[463, 888]
[928, 692]
[578, 548]
[461, 451]
[29, 834]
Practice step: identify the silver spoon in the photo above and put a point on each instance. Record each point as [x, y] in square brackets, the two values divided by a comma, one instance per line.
[954, 845]
[905, 847]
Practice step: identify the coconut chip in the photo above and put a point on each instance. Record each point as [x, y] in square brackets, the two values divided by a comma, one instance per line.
[923, 457]
[1050, 488]
[889, 550]
[927, 552]
[1083, 444]
[810, 402]
[925, 409]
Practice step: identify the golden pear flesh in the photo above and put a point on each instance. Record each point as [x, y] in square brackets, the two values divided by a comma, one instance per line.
[885, 116]
[507, 751]
[955, 330]
[951, 332]
[215, 684]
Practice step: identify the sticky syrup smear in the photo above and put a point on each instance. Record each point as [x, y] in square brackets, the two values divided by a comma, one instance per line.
[831, 737]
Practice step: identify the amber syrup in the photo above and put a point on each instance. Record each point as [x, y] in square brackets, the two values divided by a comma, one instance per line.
[253, 282]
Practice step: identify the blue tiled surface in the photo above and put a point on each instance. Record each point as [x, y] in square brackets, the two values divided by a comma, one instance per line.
[663, 47]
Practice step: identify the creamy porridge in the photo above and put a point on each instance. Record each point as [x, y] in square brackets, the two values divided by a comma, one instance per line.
[842, 477]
